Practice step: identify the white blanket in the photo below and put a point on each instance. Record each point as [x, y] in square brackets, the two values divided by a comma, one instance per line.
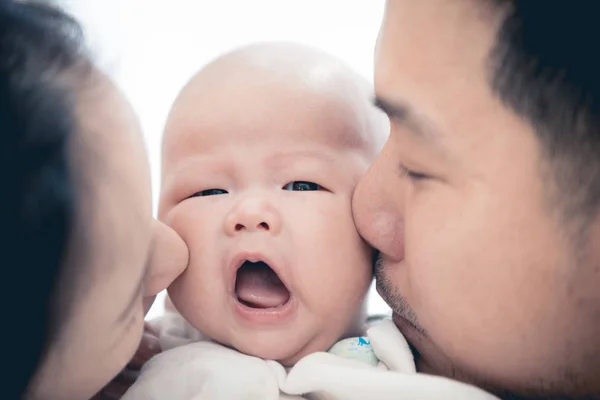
[199, 369]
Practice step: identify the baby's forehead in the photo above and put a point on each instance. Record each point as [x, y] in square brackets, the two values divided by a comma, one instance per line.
[241, 111]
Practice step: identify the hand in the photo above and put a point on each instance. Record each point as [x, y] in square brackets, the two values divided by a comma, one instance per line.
[148, 348]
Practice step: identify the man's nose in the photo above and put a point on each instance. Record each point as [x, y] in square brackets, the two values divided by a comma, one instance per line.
[378, 207]
[253, 214]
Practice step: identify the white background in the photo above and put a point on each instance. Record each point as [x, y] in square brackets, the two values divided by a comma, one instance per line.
[152, 48]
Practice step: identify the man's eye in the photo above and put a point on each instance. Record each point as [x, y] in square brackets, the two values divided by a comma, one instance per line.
[302, 186]
[210, 192]
[413, 175]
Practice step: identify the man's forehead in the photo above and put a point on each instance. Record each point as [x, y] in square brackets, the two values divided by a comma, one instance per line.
[426, 77]
[437, 34]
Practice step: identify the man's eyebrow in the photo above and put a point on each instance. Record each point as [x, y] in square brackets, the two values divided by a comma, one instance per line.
[402, 114]
[393, 111]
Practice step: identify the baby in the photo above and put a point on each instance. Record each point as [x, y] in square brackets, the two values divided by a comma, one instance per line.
[262, 151]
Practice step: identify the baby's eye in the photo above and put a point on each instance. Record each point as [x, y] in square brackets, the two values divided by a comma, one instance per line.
[302, 186]
[210, 192]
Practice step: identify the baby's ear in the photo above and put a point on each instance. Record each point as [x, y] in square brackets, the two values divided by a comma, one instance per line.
[168, 259]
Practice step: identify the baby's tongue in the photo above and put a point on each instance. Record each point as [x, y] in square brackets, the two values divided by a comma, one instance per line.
[259, 287]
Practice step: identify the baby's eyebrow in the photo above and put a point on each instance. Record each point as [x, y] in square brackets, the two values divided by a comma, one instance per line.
[206, 162]
[283, 159]
[188, 170]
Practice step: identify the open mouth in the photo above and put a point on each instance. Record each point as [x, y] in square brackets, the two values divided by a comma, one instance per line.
[258, 286]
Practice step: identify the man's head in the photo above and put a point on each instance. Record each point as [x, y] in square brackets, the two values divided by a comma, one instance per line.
[484, 201]
[262, 151]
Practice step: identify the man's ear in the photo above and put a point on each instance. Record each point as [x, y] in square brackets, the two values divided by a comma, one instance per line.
[168, 259]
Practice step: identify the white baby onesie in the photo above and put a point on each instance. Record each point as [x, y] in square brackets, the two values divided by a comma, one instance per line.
[378, 366]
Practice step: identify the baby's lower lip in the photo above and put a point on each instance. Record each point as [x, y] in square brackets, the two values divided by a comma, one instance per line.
[262, 316]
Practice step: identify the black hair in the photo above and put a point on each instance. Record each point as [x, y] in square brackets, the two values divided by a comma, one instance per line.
[39, 46]
[545, 67]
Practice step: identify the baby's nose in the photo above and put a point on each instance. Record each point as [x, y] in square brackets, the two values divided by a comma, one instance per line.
[253, 215]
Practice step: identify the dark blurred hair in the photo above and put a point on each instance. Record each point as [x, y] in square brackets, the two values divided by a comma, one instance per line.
[546, 68]
[39, 48]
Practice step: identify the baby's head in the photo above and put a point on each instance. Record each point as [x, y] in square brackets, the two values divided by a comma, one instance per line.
[262, 151]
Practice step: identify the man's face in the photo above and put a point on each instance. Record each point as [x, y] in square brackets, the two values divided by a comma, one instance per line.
[474, 262]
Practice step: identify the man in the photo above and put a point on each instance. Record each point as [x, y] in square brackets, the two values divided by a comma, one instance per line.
[484, 202]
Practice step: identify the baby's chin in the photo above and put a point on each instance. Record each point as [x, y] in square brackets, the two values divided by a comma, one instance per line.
[285, 350]
[289, 345]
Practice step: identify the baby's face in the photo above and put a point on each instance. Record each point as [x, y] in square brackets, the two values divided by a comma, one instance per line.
[258, 182]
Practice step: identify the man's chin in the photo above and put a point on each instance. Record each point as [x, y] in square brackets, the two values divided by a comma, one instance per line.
[429, 359]
[413, 335]
[423, 350]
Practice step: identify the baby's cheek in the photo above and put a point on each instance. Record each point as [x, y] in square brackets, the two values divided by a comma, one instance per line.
[345, 258]
[342, 229]
[194, 297]
[192, 224]
[194, 228]
[348, 235]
